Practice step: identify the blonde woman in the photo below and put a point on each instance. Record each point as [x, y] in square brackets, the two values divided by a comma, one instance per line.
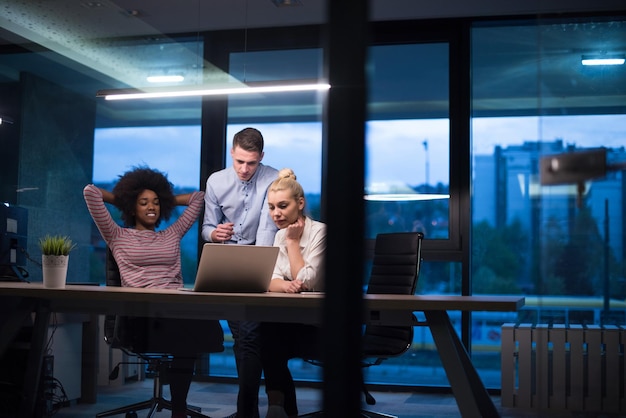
[299, 267]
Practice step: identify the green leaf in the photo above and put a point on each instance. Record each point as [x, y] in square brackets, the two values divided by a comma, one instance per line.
[56, 245]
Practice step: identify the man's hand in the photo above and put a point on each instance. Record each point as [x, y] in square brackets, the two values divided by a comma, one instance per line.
[223, 232]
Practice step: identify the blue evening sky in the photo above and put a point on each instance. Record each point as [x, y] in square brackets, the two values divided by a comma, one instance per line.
[395, 149]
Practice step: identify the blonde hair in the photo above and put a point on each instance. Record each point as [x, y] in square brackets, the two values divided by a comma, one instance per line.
[287, 181]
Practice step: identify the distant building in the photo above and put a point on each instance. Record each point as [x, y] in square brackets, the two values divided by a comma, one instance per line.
[506, 188]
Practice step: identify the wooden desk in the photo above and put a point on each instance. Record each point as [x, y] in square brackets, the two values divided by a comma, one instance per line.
[469, 391]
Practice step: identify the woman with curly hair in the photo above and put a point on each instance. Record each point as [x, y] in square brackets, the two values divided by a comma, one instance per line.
[150, 258]
[132, 183]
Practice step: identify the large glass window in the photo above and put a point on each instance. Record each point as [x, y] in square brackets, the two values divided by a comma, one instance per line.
[293, 145]
[407, 179]
[560, 245]
[290, 122]
[408, 140]
[292, 132]
[529, 96]
[162, 148]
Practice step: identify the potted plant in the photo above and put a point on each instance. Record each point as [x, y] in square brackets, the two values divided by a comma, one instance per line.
[55, 251]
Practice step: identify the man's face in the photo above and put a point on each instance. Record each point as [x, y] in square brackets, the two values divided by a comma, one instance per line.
[245, 162]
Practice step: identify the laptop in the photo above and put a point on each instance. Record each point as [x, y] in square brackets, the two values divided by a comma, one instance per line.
[232, 268]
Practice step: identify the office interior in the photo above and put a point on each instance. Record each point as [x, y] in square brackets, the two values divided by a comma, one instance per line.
[467, 98]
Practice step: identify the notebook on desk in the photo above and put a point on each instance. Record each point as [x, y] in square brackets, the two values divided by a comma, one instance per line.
[232, 268]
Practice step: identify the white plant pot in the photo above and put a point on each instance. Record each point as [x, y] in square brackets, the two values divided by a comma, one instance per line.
[54, 268]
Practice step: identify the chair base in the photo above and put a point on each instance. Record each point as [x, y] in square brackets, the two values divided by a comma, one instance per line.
[156, 364]
[154, 405]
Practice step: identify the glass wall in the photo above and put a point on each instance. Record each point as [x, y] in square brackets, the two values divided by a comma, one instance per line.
[159, 147]
[561, 245]
[407, 166]
[292, 132]
[408, 140]
[524, 95]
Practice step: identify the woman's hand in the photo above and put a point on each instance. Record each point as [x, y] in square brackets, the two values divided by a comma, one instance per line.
[294, 231]
[291, 286]
[107, 196]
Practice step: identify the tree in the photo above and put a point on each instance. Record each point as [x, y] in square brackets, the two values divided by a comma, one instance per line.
[497, 257]
[580, 262]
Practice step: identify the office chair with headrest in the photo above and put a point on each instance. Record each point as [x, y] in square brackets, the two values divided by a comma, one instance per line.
[395, 270]
[129, 334]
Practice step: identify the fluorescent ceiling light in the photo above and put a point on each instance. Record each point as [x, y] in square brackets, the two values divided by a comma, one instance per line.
[191, 91]
[397, 191]
[165, 78]
[404, 197]
[603, 59]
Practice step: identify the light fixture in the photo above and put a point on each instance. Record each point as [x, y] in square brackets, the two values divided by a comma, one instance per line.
[404, 197]
[217, 90]
[572, 167]
[5, 120]
[577, 167]
[222, 84]
[174, 78]
[603, 59]
[394, 191]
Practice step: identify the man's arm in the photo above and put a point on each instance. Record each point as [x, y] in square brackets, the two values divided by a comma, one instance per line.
[267, 228]
[209, 222]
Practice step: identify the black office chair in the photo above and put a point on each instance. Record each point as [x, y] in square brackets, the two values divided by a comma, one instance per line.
[129, 334]
[395, 270]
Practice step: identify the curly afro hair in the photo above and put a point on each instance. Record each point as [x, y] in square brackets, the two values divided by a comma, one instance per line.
[135, 181]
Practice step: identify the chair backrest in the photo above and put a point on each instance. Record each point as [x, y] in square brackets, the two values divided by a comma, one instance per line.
[138, 335]
[113, 277]
[396, 263]
[395, 270]
[123, 332]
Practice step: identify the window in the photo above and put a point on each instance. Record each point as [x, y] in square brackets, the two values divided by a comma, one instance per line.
[548, 240]
[532, 98]
[162, 148]
[407, 179]
[408, 140]
[292, 145]
[292, 133]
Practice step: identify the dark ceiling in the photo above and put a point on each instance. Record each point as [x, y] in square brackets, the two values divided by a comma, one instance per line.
[79, 34]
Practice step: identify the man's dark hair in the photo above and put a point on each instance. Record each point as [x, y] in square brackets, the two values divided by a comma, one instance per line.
[249, 139]
[135, 181]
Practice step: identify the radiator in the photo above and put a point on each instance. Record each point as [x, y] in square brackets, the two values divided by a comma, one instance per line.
[575, 368]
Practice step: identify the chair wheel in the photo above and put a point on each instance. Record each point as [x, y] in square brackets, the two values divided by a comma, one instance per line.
[131, 414]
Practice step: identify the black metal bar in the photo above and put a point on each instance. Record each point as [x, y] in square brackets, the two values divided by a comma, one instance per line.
[469, 391]
[343, 208]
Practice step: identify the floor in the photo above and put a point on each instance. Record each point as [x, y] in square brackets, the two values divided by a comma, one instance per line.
[217, 400]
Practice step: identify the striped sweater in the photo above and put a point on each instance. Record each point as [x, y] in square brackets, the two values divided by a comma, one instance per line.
[145, 258]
